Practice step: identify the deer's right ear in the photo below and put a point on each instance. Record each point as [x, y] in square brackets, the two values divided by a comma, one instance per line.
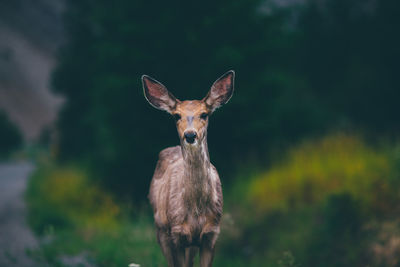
[158, 95]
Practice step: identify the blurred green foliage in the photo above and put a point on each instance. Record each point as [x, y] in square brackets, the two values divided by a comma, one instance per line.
[74, 216]
[337, 164]
[322, 202]
[65, 197]
[327, 202]
[300, 71]
[10, 136]
[107, 121]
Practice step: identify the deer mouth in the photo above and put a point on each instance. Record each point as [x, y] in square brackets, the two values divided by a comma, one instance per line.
[190, 142]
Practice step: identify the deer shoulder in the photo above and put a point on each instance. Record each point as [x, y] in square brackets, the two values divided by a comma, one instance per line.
[169, 165]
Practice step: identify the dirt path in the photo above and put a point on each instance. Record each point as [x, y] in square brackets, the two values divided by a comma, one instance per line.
[15, 235]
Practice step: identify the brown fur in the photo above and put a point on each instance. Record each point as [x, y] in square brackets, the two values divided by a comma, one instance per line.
[185, 191]
[186, 207]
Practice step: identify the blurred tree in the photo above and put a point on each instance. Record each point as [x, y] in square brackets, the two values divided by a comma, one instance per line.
[348, 54]
[185, 45]
[10, 137]
[299, 72]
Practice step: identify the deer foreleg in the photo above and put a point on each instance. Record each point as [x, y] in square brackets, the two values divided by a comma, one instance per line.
[207, 248]
[189, 257]
[166, 246]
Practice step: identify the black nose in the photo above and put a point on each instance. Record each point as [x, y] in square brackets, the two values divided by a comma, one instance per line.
[190, 136]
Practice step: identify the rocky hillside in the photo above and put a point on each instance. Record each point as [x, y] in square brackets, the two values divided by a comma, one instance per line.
[30, 33]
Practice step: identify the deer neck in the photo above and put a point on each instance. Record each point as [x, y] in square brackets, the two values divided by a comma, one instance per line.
[197, 165]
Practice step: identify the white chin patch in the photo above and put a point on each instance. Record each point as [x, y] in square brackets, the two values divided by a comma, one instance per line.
[191, 144]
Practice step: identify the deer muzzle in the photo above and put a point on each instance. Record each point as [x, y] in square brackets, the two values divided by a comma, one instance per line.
[190, 136]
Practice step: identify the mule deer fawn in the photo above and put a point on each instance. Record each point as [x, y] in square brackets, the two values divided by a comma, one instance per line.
[185, 191]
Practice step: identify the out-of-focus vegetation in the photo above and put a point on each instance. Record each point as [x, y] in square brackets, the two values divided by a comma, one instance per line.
[325, 202]
[334, 165]
[10, 137]
[76, 216]
[186, 46]
[328, 202]
[301, 71]
[66, 197]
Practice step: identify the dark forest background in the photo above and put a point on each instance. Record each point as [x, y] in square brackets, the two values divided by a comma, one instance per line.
[307, 149]
[301, 71]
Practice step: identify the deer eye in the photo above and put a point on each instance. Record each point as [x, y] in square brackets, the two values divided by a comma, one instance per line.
[203, 116]
[177, 116]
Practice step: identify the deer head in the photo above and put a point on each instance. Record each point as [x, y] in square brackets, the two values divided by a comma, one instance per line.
[191, 116]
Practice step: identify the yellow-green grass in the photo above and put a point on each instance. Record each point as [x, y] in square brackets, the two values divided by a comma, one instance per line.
[75, 215]
[316, 199]
[316, 169]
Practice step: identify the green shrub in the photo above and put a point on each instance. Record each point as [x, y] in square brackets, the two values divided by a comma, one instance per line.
[339, 238]
[318, 202]
[64, 196]
[316, 169]
[80, 217]
[310, 209]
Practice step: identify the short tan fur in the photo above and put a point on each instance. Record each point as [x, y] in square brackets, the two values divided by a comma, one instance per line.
[185, 191]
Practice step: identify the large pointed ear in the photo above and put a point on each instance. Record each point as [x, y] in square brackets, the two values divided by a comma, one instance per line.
[158, 95]
[221, 91]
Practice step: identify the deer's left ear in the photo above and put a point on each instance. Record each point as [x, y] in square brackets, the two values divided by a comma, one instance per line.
[221, 91]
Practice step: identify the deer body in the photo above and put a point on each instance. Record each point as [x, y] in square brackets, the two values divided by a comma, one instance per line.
[185, 191]
[187, 200]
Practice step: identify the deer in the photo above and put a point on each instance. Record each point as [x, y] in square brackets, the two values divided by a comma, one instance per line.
[185, 191]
